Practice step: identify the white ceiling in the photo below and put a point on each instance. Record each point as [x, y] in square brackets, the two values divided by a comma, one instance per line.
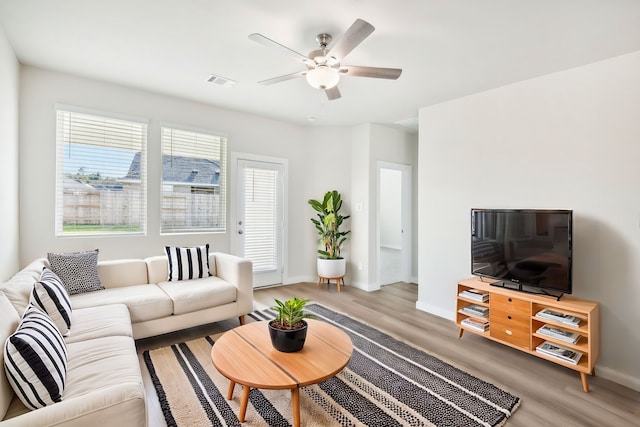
[447, 49]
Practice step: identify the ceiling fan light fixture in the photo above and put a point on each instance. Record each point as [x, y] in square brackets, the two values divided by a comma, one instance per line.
[323, 77]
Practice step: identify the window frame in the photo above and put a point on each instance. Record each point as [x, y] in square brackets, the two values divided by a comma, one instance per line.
[60, 143]
[222, 180]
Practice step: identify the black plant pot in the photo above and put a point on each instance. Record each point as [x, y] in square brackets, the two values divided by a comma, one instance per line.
[288, 341]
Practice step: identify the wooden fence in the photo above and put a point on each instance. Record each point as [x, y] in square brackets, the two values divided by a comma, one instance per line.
[124, 208]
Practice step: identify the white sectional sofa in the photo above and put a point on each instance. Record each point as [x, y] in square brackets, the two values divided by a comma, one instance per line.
[104, 383]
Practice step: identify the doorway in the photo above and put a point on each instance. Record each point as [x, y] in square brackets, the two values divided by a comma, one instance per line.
[394, 223]
[259, 217]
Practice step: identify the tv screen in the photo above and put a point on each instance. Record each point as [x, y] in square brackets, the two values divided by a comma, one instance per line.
[523, 249]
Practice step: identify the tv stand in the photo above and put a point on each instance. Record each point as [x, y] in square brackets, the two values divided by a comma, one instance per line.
[520, 287]
[513, 320]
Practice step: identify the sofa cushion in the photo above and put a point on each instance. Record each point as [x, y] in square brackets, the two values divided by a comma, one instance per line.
[101, 362]
[145, 302]
[50, 295]
[35, 360]
[18, 289]
[123, 272]
[98, 322]
[199, 294]
[104, 387]
[77, 270]
[187, 263]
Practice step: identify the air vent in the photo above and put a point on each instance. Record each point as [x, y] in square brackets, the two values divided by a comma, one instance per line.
[224, 82]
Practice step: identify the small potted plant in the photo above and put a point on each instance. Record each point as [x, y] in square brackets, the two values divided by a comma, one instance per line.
[288, 330]
[331, 236]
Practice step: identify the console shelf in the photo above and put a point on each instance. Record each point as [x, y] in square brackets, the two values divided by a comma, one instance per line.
[513, 322]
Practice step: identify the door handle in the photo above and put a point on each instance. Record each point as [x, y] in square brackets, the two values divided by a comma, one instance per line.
[240, 232]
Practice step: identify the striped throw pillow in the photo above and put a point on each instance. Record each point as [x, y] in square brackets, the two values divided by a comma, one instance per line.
[50, 295]
[35, 360]
[188, 263]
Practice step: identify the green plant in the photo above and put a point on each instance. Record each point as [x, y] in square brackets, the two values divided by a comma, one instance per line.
[289, 313]
[328, 224]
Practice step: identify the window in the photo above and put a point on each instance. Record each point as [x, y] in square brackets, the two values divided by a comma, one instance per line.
[193, 181]
[100, 174]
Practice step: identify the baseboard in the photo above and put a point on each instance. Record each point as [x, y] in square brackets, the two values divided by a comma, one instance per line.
[423, 306]
[618, 377]
[365, 286]
[299, 279]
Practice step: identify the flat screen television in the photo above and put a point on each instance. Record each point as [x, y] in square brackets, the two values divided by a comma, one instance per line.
[523, 249]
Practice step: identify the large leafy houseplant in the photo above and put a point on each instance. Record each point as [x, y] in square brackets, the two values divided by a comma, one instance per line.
[328, 224]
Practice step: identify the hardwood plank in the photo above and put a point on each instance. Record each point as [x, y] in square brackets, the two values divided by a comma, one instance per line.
[551, 395]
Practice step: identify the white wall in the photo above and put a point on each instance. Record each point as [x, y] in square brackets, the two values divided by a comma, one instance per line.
[9, 147]
[372, 143]
[566, 140]
[359, 262]
[303, 147]
[327, 166]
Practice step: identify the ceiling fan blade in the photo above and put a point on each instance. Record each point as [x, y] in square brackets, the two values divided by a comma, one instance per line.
[375, 72]
[283, 78]
[333, 93]
[358, 31]
[265, 41]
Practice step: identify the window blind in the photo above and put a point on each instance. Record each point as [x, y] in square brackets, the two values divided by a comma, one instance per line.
[194, 174]
[100, 174]
[261, 243]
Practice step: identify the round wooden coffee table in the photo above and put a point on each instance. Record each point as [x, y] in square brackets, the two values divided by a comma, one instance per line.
[245, 356]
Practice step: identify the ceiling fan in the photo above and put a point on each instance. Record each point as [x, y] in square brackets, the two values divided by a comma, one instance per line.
[323, 65]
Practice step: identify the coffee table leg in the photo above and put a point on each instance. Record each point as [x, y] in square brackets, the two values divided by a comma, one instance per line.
[232, 385]
[295, 406]
[243, 402]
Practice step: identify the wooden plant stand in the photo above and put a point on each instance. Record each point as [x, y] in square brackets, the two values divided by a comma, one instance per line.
[329, 279]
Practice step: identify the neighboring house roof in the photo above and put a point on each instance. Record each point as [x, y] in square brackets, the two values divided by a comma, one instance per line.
[181, 170]
[75, 186]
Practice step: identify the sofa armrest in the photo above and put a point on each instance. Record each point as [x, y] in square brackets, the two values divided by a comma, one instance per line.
[239, 272]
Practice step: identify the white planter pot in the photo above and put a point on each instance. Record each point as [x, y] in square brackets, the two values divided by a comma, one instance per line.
[331, 268]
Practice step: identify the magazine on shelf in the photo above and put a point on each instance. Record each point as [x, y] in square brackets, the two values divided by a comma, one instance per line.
[476, 324]
[475, 310]
[559, 352]
[559, 333]
[475, 294]
[558, 317]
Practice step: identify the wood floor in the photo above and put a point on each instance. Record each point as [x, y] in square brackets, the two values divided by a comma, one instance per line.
[551, 395]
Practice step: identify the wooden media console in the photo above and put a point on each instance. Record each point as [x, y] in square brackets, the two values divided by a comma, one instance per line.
[514, 320]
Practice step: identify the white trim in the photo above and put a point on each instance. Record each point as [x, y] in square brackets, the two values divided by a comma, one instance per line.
[369, 287]
[429, 308]
[187, 128]
[407, 234]
[618, 377]
[101, 113]
[299, 279]
[234, 157]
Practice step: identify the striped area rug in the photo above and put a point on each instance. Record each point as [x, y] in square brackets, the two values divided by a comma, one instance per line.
[386, 383]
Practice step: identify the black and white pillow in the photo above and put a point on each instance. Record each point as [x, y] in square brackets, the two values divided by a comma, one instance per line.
[188, 263]
[50, 295]
[35, 360]
[77, 270]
